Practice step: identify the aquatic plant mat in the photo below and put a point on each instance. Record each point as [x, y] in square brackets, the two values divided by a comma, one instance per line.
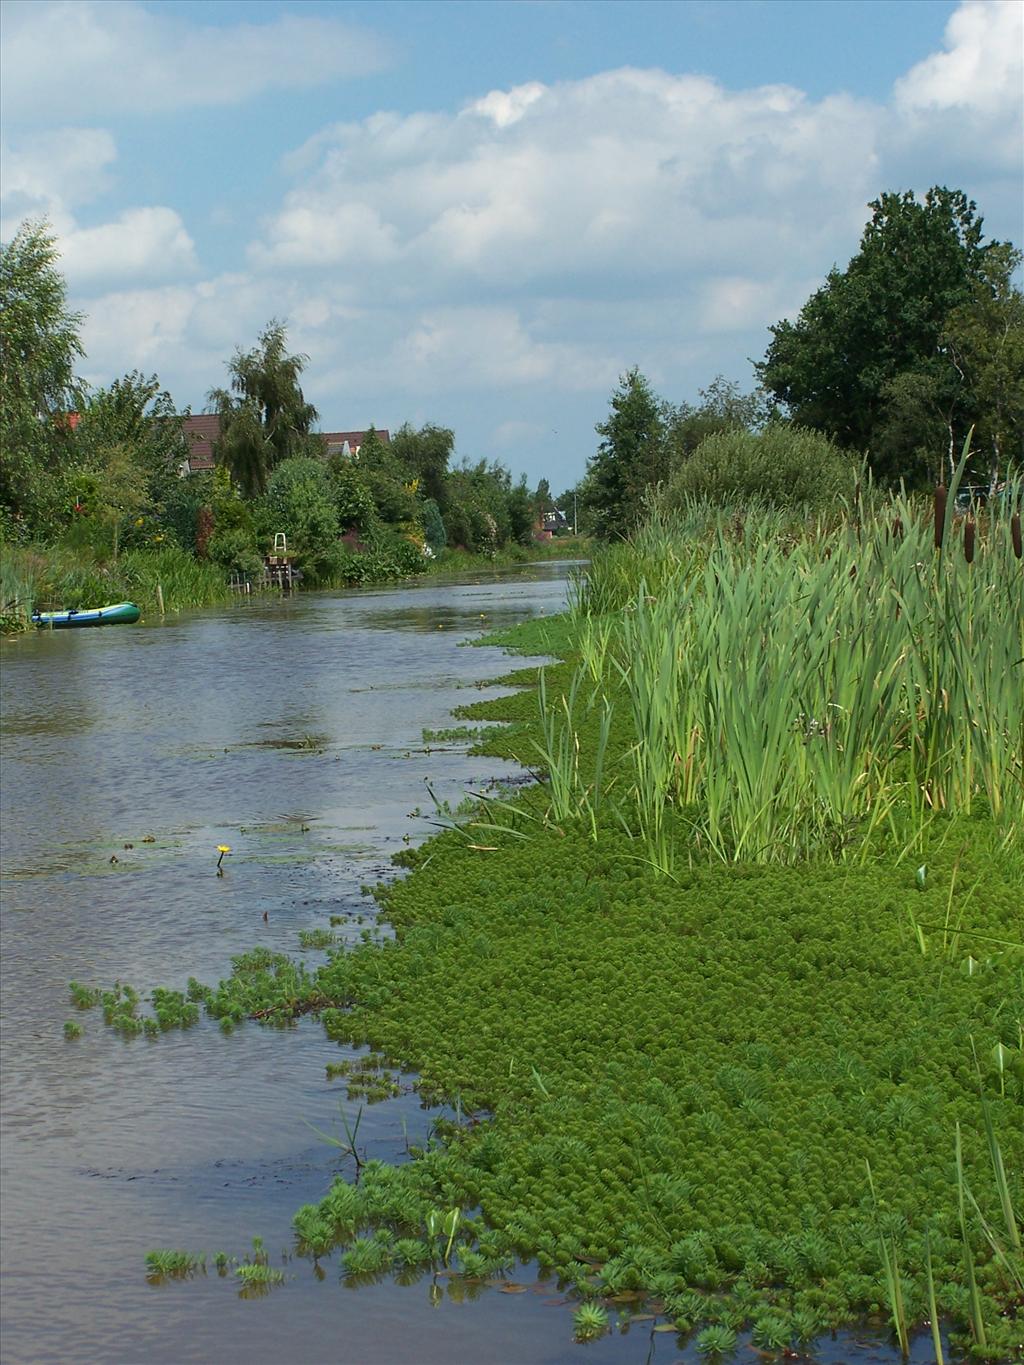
[730, 1006]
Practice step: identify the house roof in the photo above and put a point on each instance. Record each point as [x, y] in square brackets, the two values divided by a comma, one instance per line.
[200, 433]
[203, 431]
[335, 440]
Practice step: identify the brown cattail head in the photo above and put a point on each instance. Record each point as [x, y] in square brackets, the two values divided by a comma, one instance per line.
[1018, 549]
[969, 540]
[940, 514]
[897, 529]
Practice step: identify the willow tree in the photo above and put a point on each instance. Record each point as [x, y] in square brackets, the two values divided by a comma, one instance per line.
[264, 415]
[39, 344]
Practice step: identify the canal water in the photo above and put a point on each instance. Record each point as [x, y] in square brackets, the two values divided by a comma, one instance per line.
[291, 731]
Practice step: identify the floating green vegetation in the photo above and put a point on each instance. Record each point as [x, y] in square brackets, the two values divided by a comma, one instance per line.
[121, 1008]
[166, 1264]
[456, 734]
[303, 744]
[731, 1003]
[255, 1273]
[590, 1321]
[369, 1078]
[317, 938]
[699, 1068]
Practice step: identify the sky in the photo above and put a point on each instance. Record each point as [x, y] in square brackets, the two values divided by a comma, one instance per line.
[481, 213]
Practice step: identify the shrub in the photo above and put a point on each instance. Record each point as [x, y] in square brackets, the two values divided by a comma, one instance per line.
[783, 466]
[235, 549]
[433, 527]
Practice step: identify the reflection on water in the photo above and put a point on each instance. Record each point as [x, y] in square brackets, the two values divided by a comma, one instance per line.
[291, 731]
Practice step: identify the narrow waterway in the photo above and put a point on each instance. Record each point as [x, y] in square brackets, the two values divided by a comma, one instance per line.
[293, 732]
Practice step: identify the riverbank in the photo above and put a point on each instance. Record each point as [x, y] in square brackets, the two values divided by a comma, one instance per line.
[767, 1085]
[52, 578]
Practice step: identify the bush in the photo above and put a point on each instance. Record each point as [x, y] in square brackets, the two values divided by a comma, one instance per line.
[353, 500]
[299, 502]
[782, 466]
[433, 526]
[234, 549]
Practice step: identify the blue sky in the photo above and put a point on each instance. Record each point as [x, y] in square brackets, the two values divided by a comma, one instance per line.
[480, 214]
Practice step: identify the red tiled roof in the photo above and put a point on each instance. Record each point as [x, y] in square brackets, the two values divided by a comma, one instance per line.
[203, 430]
[354, 438]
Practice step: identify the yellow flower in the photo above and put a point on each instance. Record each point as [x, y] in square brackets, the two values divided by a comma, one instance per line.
[223, 848]
[139, 521]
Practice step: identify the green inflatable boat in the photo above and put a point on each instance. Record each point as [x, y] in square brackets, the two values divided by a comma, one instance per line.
[120, 614]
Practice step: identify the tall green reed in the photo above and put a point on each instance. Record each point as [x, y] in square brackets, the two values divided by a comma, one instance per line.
[792, 688]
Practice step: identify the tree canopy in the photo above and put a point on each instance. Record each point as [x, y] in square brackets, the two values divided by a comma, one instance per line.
[39, 345]
[630, 457]
[869, 360]
[265, 417]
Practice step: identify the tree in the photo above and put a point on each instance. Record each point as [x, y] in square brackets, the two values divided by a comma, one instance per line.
[133, 419]
[425, 455]
[392, 485]
[984, 338]
[542, 498]
[882, 317]
[39, 344]
[265, 417]
[723, 406]
[299, 502]
[631, 457]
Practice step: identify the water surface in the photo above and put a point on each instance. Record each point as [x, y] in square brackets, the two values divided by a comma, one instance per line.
[292, 731]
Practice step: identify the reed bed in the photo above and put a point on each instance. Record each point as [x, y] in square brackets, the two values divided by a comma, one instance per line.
[56, 578]
[798, 690]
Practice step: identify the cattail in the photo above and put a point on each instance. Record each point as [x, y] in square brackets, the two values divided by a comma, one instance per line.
[969, 540]
[1015, 534]
[897, 529]
[940, 514]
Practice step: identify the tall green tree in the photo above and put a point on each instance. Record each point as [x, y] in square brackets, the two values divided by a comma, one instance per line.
[39, 345]
[265, 418]
[392, 484]
[984, 338]
[129, 447]
[632, 456]
[425, 455]
[881, 318]
[133, 411]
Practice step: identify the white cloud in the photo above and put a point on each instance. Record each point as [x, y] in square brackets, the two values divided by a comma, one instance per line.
[505, 107]
[144, 244]
[982, 69]
[76, 56]
[735, 303]
[48, 175]
[497, 267]
[185, 332]
[470, 347]
[962, 110]
[622, 175]
[44, 174]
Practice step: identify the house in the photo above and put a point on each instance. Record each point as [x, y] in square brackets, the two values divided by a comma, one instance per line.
[203, 431]
[336, 441]
[200, 432]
